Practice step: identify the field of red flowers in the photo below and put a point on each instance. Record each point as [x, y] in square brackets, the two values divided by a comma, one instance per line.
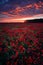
[21, 44]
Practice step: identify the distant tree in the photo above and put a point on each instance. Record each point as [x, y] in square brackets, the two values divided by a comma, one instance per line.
[34, 21]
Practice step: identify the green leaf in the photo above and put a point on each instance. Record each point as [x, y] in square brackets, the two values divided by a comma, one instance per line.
[4, 42]
[31, 41]
[25, 46]
[26, 54]
[20, 55]
[9, 47]
[22, 43]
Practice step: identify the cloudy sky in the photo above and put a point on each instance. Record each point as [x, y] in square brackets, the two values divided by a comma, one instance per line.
[20, 10]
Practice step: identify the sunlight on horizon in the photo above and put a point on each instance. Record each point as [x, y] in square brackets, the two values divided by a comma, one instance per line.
[4, 20]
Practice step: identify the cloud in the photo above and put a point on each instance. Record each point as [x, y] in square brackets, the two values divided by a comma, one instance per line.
[38, 5]
[29, 8]
[22, 19]
[10, 12]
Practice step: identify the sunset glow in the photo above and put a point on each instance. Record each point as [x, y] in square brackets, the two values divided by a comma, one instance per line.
[21, 19]
[20, 10]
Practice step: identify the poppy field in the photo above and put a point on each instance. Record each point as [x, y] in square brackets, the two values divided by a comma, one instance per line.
[21, 44]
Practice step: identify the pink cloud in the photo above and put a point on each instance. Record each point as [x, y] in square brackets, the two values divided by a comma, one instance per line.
[14, 15]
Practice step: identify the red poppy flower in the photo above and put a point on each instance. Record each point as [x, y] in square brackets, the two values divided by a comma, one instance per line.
[42, 51]
[5, 49]
[30, 60]
[0, 43]
[12, 44]
[21, 48]
[15, 63]
[16, 53]
[0, 49]
[13, 57]
[8, 63]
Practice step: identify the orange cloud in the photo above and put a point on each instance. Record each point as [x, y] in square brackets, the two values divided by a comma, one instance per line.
[20, 9]
[38, 5]
[29, 6]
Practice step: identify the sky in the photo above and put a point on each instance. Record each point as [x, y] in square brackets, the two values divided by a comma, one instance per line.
[20, 10]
